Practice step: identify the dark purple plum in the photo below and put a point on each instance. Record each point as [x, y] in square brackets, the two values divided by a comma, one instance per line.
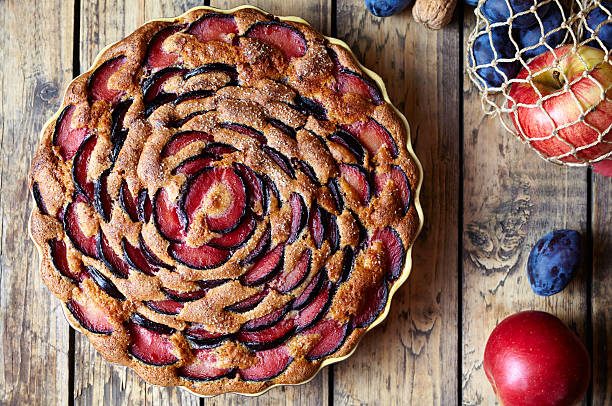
[497, 11]
[487, 49]
[554, 261]
[386, 8]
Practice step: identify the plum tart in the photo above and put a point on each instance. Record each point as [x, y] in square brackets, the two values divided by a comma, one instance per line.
[225, 202]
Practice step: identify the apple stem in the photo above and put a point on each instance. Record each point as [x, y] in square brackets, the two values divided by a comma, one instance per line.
[557, 76]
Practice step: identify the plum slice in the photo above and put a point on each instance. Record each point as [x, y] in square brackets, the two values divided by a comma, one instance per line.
[270, 364]
[246, 130]
[373, 136]
[394, 250]
[310, 107]
[40, 203]
[79, 168]
[105, 284]
[332, 336]
[334, 189]
[312, 313]
[167, 306]
[150, 255]
[261, 248]
[268, 338]
[193, 95]
[127, 202]
[348, 81]
[270, 190]
[167, 219]
[268, 320]
[188, 296]
[254, 187]
[357, 178]
[375, 300]
[115, 264]
[85, 245]
[222, 194]
[290, 279]
[118, 133]
[348, 262]
[202, 257]
[282, 127]
[156, 57]
[332, 233]
[151, 342]
[137, 259]
[202, 338]
[97, 85]
[218, 149]
[213, 27]
[288, 40]
[90, 316]
[316, 223]
[144, 208]
[280, 160]
[102, 199]
[236, 238]
[307, 170]
[182, 121]
[249, 303]
[265, 268]
[182, 139]
[299, 216]
[401, 185]
[229, 70]
[193, 165]
[203, 367]
[60, 260]
[349, 141]
[311, 291]
[65, 137]
[153, 88]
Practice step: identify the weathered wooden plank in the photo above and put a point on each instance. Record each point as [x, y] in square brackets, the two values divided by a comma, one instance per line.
[412, 360]
[602, 290]
[36, 48]
[318, 13]
[97, 381]
[510, 198]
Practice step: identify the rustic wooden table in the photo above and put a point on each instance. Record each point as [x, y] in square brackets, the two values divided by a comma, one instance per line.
[486, 198]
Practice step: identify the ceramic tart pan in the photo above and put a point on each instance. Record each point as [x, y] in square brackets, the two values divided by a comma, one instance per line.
[226, 201]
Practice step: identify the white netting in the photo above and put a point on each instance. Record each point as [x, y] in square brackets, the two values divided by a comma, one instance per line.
[543, 68]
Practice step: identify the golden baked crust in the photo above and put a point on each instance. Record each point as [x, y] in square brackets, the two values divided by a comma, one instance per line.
[224, 202]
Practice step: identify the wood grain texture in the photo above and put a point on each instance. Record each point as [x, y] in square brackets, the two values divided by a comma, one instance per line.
[602, 290]
[511, 199]
[35, 43]
[97, 381]
[412, 359]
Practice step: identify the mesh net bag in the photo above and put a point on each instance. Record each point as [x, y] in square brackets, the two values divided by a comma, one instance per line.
[543, 66]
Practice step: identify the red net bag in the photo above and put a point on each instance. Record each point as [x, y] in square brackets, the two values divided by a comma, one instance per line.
[543, 66]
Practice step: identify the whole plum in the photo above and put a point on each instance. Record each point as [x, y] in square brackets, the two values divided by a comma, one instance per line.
[497, 11]
[386, 8]
[532, 36]
[553, 261]
[601, 15]
[488, 49]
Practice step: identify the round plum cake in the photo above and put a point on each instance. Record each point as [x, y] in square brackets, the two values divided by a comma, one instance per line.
[226, 201]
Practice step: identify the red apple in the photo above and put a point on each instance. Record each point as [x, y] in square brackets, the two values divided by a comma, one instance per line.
[603, 167]
[565, 104]
[533, 359]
